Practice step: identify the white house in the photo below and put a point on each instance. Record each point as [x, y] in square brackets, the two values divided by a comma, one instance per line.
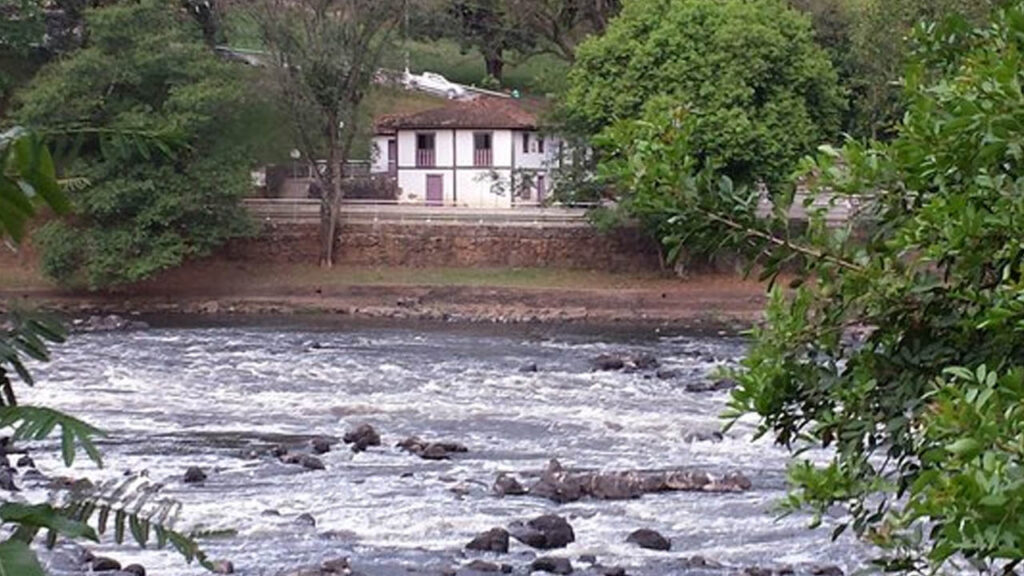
[482, 153]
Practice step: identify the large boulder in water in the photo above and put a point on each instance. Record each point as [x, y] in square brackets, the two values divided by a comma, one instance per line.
[560, 485]
[362, 437]
[544, 532]
[494, 540]
[649, 539]
[431, 450]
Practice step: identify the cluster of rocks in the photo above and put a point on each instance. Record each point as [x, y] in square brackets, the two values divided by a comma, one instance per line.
[547, 532]
[648, 363]
[630, 362]
[107, 323]
[71, 557]
[431, 450]
[24, 467]
[335, 567]
[561, 485]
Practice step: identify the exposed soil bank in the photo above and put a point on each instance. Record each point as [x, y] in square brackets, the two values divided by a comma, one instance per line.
[221, 286]
[693, 302]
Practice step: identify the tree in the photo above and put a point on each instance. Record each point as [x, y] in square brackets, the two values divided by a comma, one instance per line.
[899, 348]
[563, 24]
[490, 26]
[879, 50]
[765, 93]
[325, 54]
[145, 70]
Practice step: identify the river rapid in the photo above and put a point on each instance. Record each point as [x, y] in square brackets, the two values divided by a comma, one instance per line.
[219, 397]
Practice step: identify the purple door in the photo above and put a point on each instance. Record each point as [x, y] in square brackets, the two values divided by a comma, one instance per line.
[541, 189]
[435, 190]
[393, 157]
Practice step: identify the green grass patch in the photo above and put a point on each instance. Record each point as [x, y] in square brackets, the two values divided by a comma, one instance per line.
[540, 75]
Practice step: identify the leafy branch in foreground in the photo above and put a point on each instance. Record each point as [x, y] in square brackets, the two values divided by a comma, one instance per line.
[921, 409]
[27, 180]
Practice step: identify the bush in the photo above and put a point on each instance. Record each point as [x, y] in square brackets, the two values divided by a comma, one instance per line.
[765, 92]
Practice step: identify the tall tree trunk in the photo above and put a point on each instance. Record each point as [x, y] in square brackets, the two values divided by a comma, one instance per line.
[495, 65]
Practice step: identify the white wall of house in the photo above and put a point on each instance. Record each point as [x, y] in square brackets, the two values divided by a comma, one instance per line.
[483, 188]
[533, 158]
[413, 184]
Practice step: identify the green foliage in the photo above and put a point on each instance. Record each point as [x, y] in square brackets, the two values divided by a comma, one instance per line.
[764, 92]
[144, 80]
[26, 179]
[28, 167]
[900, 347]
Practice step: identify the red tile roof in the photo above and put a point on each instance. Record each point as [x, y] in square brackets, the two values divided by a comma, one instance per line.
[481, 112]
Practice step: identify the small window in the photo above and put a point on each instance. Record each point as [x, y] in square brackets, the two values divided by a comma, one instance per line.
[425, 150]
[482, 149]
[526, 142]
[540, 144]
[424, 141]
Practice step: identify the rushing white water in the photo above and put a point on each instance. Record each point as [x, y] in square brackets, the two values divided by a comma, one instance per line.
[175, 397]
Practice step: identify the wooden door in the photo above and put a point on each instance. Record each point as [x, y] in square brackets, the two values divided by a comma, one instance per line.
[435, 190]
[541, 189]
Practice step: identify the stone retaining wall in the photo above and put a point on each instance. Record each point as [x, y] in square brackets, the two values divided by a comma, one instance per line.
[425, 245]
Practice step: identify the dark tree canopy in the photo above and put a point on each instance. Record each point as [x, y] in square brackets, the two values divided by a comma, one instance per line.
[146, 71]
[765, 93]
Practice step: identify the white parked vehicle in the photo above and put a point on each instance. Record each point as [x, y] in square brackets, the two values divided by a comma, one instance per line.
[431, 82]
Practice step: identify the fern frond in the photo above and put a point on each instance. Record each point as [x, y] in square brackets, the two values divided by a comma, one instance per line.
[37, 423]
[131, 505]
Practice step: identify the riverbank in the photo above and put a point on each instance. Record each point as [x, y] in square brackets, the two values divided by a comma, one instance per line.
[508, 295]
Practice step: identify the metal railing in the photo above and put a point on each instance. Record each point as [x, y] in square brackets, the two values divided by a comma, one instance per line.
[304, 211]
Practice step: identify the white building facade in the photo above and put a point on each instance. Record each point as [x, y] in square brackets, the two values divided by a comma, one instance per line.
[484, 153]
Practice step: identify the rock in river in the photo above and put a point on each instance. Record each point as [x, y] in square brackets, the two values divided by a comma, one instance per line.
[544, 532]
[560, 485]
[362, 437]
[194, 475]
[608, 362]
[494, 540]
[431, 450]
[7, 480]
[135, 569]
[551, 565]
[506, 484]
[321, 445]
[711, 385]
[103, 564]
[649, 539]
[305, 460]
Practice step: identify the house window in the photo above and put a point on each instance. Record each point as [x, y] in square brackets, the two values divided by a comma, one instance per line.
[482, 151]
[425, 150]
[540, 144]
[526, 142]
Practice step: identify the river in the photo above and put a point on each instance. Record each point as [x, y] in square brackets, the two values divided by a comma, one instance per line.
[219, 397]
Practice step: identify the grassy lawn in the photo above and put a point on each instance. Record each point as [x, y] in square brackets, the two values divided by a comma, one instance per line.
[311, 275]
[540, 75]
[289, 278]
